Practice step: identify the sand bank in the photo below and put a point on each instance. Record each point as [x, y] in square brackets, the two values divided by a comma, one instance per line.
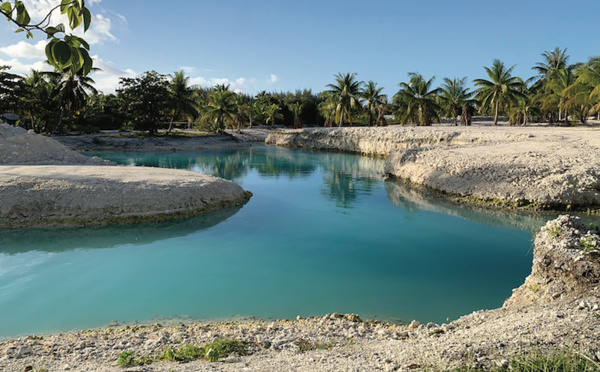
[42, 182]
[544, 167]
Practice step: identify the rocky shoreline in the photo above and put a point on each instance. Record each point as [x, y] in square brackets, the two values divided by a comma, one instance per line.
[532, 167]
[43, 183]
[556, 309]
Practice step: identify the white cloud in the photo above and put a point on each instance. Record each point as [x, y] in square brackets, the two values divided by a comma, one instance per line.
[98, 32]
[272, 79]
[188, 69]
[108, 77]
[239, 85]
[18, 67]
[23, 49]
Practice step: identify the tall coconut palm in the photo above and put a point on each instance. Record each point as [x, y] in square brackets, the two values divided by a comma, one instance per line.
[272, 114]
[373, 99]
[381, 109]
[241, 112]
[551, 99]
[39, 100]
[221, 108]
[296, 109]
[73, 90]
[346, 93]
[328, 108]
[501, 89]
[256, 110]
[416, 101]
[554, 61]
[583, 96]
[182, 98]
[454, 96]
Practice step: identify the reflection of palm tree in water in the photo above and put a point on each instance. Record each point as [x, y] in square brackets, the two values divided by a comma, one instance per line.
[345, 188]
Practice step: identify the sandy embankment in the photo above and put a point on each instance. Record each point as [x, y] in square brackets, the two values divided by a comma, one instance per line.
[556, 308]
[44, 183]
[547, 167]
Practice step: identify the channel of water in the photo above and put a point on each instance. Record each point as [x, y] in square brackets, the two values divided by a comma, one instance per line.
[324, 232]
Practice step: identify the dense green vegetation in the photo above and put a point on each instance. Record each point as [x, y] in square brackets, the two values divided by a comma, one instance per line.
[64, 101]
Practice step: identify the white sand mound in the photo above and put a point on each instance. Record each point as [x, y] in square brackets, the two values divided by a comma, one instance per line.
[44, 183]
[18, 146]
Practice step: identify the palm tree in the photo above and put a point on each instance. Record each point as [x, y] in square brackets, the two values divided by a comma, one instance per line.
[182, 98]
[416, 101]
[346, 93]
[39, 100]
[555, 61]
[240, 113]
[373, 99]
[221, 108]
[272, 114]
[381, 109]
[551, 99]
[73, 90]
[583, 96]
[454, 97]
[501, 89]
[328, 108]
[256, 110]
[296, 109]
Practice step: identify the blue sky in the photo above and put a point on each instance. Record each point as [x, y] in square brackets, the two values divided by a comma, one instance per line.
[287, 45]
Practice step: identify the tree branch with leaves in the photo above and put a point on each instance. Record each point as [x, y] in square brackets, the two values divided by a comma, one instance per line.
[64, 51]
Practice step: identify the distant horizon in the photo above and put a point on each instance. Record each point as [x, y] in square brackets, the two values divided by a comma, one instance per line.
[281, 47]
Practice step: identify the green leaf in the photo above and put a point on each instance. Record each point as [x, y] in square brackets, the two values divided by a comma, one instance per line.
[23, 18]
[49, 51]
[87, 18]
[19, 30]
[29, 35]
[87, 61]
[64, 5]
[84, 44]
[60, 27]
[76, 59]
[73, 41]
[74, 18]
[51, 31]
[61, 54]
[6, 8]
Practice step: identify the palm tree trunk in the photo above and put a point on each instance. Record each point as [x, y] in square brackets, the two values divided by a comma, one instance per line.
[496, 113]
[250, 117]
[171, 124]
[60, 119]
[341, 118]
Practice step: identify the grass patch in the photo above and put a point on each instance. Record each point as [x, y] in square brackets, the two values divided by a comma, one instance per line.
[588, 243]
[307, 345]
[129, 359]
[554, 231]
[565, 361]
[220, 348]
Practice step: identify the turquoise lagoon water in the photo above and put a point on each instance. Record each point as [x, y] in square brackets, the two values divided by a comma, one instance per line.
[323, 233]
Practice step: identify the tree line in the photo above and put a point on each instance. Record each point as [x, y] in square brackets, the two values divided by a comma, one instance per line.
[66, 100]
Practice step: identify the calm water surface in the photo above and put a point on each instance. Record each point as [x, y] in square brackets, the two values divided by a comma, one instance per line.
[323, 233]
